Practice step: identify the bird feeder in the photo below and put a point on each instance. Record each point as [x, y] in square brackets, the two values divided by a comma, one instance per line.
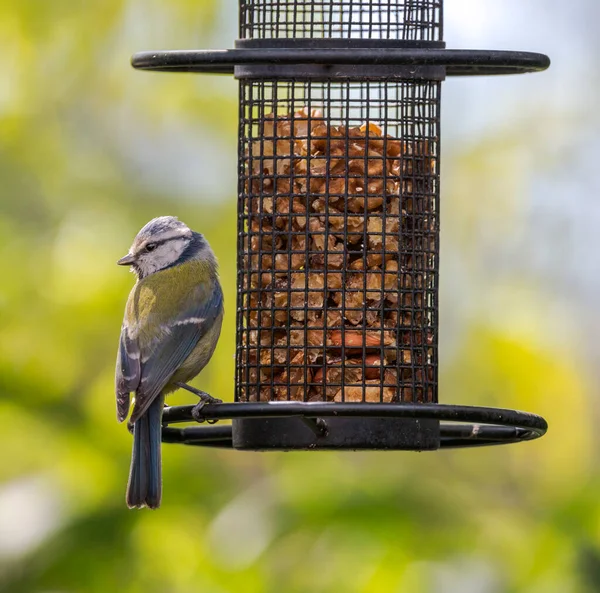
[338, 249]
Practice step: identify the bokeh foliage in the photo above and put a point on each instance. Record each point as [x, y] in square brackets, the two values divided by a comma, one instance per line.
[89, 151]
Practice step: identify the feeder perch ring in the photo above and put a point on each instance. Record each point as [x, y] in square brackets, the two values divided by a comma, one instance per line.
[479, 426]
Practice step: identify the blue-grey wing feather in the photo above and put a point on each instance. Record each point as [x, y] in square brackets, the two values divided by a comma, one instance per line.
[185, 333]
[128, 373]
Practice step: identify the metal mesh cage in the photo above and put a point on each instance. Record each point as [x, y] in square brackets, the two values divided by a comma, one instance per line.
[338, 241]
[338, 216]
[415, 20]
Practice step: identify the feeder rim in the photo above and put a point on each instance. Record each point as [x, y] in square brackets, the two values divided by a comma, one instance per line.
[457, 413]
[482, 426]
[457, 62]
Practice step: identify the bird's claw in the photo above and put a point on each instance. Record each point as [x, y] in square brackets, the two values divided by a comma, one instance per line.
[198, 408]
[205, 399]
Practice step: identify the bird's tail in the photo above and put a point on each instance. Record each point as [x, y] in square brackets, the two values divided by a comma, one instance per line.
[145, 481]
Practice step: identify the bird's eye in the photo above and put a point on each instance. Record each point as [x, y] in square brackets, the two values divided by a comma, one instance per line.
[151, 247]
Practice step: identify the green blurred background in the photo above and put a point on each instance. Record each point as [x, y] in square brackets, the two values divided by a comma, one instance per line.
[91, 149]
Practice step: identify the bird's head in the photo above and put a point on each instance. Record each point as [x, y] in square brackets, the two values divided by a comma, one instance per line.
[162, 243]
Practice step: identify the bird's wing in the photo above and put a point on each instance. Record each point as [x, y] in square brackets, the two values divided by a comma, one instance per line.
[173, 338]
[128, 373]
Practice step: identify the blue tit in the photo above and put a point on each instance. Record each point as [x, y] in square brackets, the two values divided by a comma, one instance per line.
[171, 327]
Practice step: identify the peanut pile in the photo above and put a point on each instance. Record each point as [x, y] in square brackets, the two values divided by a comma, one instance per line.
[339, 255]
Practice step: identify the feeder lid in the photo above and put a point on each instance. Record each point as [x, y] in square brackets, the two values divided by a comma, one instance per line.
[457, 62]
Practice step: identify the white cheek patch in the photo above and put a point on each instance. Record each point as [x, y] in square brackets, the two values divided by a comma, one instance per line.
[163, 256]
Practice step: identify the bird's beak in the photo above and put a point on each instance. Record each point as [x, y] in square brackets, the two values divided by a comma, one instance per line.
[126, 260]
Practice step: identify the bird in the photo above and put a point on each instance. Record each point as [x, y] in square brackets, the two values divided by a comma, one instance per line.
[170, 329]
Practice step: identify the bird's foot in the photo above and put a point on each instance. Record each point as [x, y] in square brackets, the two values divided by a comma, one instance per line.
[205, 399]
[197, 414]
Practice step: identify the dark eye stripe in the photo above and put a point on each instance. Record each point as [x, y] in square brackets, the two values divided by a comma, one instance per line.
[156, 244]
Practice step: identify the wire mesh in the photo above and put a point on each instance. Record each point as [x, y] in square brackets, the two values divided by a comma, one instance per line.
[416, 20]
[338, 241]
